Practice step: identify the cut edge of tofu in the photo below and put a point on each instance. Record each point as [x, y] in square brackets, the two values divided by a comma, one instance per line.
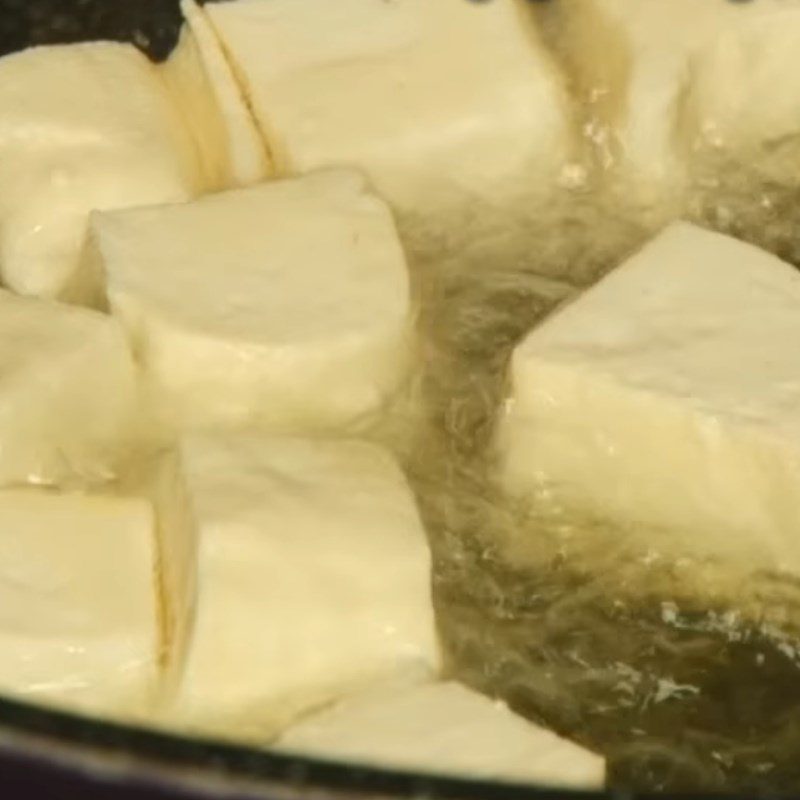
[141, 707]
[271, 144]
[152, 102]
[203, 85]
[568, 385]
[250, 159]
[299, 738]
[189, 87]
[166, 483]
[501, 229]
[100, 457]
[202, 90]
[391, 337]
[161, 479]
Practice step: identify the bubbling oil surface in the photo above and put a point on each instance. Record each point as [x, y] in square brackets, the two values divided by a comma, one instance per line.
[680, 690]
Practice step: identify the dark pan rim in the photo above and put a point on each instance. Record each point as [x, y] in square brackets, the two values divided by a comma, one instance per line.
[90, 746]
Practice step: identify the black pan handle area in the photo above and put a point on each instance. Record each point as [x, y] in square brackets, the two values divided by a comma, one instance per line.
[152, 25]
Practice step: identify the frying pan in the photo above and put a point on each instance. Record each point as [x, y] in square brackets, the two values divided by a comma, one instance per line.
[52, 754]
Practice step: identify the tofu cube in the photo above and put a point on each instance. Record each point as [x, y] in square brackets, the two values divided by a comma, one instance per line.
[665, 79]
[283, 306]
[744, 100]
[310, 578]
[453, 109]
[82, 126]
[79, 623]
[232, 150]
[69, 394]
[666, 399]
[444, 728]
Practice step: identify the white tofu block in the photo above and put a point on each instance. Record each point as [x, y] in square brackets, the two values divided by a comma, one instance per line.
[283, 306]
[82, 127]
[443, 105]
[667, 398]
[312, 576]
[79, 618]
[670, 76]
[744, 100]
[444, 728]
[204, 87]
[69, 396]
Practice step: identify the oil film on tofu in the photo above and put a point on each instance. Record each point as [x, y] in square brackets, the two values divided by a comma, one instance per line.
[413, 384]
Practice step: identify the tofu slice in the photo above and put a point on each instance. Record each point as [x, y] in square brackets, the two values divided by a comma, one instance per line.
[69, 394]
[744, 100]
[444, 728]
[282, 307]
[82, 126]
[667, 78]
[453, 109]
[665, 400]
[312, 577]
[204, 87]
[79, 620]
